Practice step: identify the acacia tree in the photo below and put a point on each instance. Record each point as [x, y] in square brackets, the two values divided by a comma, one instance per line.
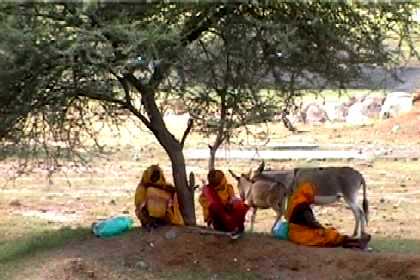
[286, 47]
[57, 58]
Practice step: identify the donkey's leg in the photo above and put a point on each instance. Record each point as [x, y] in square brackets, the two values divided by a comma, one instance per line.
[355, 209]
[277, 204]
[362, 221]
[254, 214]
[351, 200]
[278, 217]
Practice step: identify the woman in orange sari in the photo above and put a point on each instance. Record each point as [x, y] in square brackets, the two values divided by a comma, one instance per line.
[221, 209]
[305, 230]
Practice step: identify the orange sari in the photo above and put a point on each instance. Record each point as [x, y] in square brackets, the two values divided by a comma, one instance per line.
[304, 235]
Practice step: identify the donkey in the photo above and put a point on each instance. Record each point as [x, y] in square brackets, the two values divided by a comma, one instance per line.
[261, 193]
[330, 184]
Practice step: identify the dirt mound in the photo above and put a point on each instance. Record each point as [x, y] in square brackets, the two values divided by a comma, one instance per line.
[177, 250]
[404, 129]
[407, 125]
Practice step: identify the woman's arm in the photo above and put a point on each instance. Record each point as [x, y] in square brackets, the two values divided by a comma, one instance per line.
[310, 219]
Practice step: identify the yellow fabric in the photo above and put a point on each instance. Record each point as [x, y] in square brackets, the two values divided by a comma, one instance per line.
[326, 237]
[224, 191]
[140, 196]
[174, 214]
[303, 235]
[304, 194]
[158, 202]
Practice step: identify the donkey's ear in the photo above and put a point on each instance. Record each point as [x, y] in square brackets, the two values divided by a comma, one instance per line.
[249, 173]
[261, 167]
[234, 175]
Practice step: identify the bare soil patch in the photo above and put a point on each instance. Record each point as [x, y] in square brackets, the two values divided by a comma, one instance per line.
[407, 125]
[152, 256]
[403, 129]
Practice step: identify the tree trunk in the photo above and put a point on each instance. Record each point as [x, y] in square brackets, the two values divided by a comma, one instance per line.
[213, 149]
[174, 150]
[286, 121]
[185, 194]
[212, 158]
[220, 130]
[172, 146]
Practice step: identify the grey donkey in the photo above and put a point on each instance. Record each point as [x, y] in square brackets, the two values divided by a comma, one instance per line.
[330, 183]
[261, 193]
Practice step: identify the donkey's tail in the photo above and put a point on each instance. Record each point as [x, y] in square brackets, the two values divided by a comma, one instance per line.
[365, 201]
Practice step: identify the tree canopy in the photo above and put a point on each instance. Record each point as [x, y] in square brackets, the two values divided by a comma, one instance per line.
[62, 63]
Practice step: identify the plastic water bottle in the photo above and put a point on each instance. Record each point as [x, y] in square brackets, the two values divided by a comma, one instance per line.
[113, 226]
[281, 230]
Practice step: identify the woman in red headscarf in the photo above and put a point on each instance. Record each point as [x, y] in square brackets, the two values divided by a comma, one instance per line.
[221, 209]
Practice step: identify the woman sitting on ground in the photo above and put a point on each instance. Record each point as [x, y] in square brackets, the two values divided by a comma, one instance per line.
[156, 201]
[221, 209]
[305, 230]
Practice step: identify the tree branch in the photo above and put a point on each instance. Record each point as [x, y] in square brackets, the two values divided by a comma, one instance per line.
[223, 114]
[139, 115]
[155, 122]
[124, 84]
[199, 25]
[101, 97]
[210, 57]
[187, 131]
[128, 103]
[141, 88]
[147, 98]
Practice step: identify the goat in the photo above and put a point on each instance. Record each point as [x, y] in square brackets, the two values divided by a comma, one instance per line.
[330, 184]
[261, 193]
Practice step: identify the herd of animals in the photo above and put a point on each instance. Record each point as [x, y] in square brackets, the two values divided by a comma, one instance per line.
[264, 189]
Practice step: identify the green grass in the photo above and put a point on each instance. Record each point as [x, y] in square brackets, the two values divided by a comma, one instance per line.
[15, 250]
[384, 244]
[22, 239]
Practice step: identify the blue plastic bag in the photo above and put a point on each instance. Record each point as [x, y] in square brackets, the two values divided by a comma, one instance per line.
[281, 231]
[112, 226]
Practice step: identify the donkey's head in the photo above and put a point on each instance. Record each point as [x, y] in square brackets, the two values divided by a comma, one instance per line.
[244, 183]
[252, 174]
